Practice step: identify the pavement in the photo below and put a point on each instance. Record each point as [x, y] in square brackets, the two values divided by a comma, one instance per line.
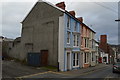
[85, 70]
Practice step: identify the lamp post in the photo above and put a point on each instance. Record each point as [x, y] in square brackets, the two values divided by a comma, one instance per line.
[117, 20]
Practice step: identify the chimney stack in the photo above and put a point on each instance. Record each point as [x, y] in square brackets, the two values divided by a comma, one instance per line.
[61, 5]
[72, 13]
[103, 43]
[80, 19]
[103, 39]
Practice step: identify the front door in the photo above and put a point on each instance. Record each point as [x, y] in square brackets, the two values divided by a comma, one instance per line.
[68, 61]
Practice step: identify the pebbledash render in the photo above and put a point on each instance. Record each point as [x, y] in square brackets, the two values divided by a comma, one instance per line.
[50, 27]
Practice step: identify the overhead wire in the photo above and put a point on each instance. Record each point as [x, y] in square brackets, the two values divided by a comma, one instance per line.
[106, 7]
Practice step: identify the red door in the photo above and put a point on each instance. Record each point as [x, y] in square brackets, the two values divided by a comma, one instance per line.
[44, 57]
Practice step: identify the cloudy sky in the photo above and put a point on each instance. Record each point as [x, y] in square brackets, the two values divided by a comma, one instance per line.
[100, 16]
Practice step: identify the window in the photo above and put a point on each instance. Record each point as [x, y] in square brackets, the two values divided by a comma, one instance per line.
[75, 40]
[104, 59]
[75, 26]
[86, 42]
[86, 57]
[92, 44]
[92, 57]
[75, 59]
[68, 37]
[68, 23]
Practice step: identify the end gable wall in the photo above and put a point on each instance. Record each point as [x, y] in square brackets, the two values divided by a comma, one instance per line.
[40, 27]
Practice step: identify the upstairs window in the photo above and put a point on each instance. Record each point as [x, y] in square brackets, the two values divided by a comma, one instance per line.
[86, 42]
[68, 37]
[92, 44]
[75, 40]
[75, 26]
[68, 23]
[92, 56]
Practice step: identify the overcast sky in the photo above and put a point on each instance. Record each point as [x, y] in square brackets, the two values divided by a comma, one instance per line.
[100, 16]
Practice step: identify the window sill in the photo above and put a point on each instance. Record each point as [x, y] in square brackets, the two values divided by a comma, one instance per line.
[68, 43]
[76, 46]
[86, 63]
[75, 66]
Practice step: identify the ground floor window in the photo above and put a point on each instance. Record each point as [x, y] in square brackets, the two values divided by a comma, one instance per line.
[86, 56]
[75, 59]
[92, 56]
[104, 59]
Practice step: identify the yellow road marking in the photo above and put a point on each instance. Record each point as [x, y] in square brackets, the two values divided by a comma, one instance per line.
[75, 74]
[19, 78]
[88, 72]
[59, 73]
[34, 74]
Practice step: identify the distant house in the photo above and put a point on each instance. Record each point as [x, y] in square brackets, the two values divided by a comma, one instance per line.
[109, 52]
[103, 58]
[116, 51]
[6, 44]
[96, 51]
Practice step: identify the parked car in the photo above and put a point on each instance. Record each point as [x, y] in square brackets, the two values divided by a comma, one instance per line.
[116, 67]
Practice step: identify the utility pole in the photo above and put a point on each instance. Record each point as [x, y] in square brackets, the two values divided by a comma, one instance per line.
[118, 43]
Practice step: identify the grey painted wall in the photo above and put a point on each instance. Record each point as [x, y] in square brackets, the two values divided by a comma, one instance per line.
[40, 32]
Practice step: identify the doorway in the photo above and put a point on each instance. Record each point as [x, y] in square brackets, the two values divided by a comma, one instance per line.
[68, 60]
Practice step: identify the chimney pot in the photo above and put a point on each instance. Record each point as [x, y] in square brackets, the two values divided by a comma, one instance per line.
[80, 19]
[61, 5]
[72, 13]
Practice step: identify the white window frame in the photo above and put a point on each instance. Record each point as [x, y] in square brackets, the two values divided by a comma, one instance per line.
[76, 59]
[86, 57]
[68, 37]
[75, 40]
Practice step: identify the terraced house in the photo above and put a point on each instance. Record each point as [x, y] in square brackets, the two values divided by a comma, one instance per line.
[87, 45]
[69, 42]
[52, 28]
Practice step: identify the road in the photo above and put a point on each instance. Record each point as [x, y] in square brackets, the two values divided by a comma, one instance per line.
[15, 70]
